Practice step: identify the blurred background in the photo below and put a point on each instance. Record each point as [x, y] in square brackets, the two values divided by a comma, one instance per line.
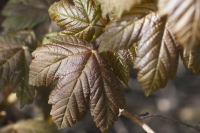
[180, 99]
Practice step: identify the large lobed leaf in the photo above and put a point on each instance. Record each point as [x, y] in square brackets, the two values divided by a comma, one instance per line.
[21, 14]
[157, 55]
[14, 67]
[82, 76]
[29, 126]
[184, 15]
[78, 18]
[123, 33]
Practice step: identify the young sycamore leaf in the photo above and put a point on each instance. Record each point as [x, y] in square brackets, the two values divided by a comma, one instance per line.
[121, 62]
[184, 16]
[123, 33]
[116, 6]
[192, 60]
[29, 126]
[83, 76]
[14, 67]
[157, 55]
[21, 14]
[78, 19]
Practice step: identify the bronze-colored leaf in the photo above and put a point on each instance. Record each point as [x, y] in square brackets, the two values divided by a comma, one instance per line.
[78, 18]
[67, 39]
[191, 59]
[157, 55]
[123, 33]
[184, 16]
[82, 75]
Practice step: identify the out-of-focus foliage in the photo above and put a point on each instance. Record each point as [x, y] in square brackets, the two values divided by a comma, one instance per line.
[29, 126]
[15, 53]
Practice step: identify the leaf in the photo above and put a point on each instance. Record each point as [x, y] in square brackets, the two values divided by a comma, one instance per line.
[82, 76]
[191, 59]
[14, 67]
[67, 39]
[23, 14]
[116, 6]
[28, 36]
[78, 19]
[123, 33]
[184, 17]
[29, 126]
[157, 55]
[119, 61]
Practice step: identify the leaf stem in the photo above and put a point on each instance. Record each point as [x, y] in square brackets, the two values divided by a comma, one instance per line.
[137, 120]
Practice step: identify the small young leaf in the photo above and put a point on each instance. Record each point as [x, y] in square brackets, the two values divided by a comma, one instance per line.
[184, 16]
[157, 55]
[119, 61]
[25, 14]
[29, 126]
[78, 19]
[82, 75]
[14, 67]
[123, 33]
[192, 60]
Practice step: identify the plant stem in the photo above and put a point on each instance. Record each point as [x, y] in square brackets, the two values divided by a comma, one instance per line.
[197, 127]
[137, 120]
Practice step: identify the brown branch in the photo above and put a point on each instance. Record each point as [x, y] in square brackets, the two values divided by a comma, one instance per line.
[197, 127]
[137, 120]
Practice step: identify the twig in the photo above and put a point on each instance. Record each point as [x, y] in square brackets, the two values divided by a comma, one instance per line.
[197, 127]
[136, 119]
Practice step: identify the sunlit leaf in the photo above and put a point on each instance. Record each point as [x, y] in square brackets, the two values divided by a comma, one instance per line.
[78, 19]
[82, 76]
[116, 6]
[21, 14]
[191, 59]
[123, 33]
[184, 16]
[68, 39]
[157, 55]
[14, 67]
[29, 126]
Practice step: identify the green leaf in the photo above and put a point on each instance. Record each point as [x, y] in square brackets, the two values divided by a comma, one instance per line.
[123, 33]
[157, 55]
[191, 58]
[119, 61]
[82, 76]
[116, 6]
[184, 17]
[78, 19]
[14, 66]
[29, 126]
[23, 14]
